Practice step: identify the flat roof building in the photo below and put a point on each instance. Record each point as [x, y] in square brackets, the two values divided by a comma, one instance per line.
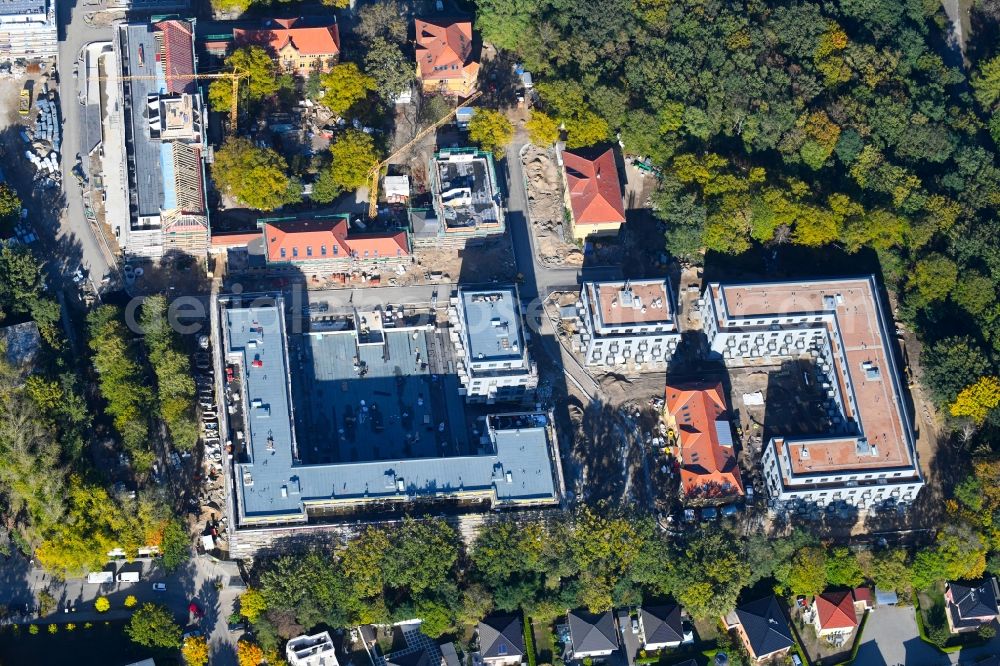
[627, 324]
[28, 30]
[865, 455]
[465, 196]
[161, 162]
[353, 418]
[489, 337]
[315, 650]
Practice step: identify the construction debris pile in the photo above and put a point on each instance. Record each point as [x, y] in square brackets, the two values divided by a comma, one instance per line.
[45, 138]
[546, 207]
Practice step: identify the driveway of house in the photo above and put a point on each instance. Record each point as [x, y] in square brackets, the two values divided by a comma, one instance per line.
[891, 639]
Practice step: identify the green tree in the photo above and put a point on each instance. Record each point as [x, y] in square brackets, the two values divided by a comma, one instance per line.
[176, 545]
[806, 573]
[256, 177]
[354, 155]
[436, 617]
[948, 364]
[504, 23]
[386, 64]
[421, 555]
[491, 130]
[259, 78]
[325, 189]
[154, 626]
[708, 574]
[986, 83]
[344, 86]
[10, 209]
[842, 568]
[174, 381]
[934, 277]
[385, 19]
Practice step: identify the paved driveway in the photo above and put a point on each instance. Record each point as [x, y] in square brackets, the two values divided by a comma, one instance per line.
[891, 639]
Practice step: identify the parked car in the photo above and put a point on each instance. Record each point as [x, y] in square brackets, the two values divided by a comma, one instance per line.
[159, 587]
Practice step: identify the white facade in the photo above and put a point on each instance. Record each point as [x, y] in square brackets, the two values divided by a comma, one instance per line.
[627, 324]
[490, 343]
[28, 30]
[864, 480]
[315, 650]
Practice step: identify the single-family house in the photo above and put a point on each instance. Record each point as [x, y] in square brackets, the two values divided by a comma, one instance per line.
[762, 627]
[970, 606]
[660, 627]
[300, 46]
[834, 614]
[593, 192]
[445, 62]
[501, 640]
[592, 635]
[698, 415]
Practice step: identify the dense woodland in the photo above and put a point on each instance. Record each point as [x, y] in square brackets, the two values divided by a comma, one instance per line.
[845, 127]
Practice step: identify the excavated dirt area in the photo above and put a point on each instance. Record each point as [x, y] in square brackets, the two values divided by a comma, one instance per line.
[553, 239]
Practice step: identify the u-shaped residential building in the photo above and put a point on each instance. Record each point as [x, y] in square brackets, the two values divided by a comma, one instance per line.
[867, 455]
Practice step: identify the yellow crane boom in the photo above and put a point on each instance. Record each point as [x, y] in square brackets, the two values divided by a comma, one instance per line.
[235, 77]
[376, 171]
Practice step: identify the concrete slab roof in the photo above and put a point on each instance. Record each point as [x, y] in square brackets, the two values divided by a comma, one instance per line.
[492, 324]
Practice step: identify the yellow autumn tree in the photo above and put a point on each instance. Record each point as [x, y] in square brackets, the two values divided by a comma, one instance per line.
[977, 400]
[249, 654]
[252, 605]
[195, 651]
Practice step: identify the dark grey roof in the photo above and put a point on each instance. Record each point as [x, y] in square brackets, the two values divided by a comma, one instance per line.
[765, 626]
[18, 7]
[975, 602]
[661, 624]
[143, 61]
[592, 633]
[501, 636]
[275, 483]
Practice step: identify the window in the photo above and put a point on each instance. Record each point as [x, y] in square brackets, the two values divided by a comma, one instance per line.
[375, 253]
[295, 251]
[399, 252]
[336, 249]
[309, 250]
[322, 250]
[366, 254]
[282, 253]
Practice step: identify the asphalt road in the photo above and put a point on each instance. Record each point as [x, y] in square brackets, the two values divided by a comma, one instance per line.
[74, 229]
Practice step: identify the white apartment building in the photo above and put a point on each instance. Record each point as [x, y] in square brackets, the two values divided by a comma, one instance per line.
[315, 650]
[28, 30]
[867, 454]
[489, 339]
[627, 325]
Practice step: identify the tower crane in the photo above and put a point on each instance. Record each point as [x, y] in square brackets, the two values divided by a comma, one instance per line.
[235, 77]
[376, 171]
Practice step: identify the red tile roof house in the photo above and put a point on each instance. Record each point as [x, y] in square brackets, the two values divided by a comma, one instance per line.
[969, 607]
[697, 413]
[834, 615]
[445, 63]
[299, 46]
[328, 245]
[593, 192]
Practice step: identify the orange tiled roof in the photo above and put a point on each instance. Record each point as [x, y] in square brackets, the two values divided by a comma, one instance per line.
[315, 240]
[595, 192]
[708, 469]
[322, 40]
[836, 610]
[444, 48]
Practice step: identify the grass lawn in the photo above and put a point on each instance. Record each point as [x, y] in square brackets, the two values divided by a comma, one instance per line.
[544, 646]
[707, 629]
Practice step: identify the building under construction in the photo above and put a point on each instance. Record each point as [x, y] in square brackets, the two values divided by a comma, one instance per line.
[466, 200]
[160, 159]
